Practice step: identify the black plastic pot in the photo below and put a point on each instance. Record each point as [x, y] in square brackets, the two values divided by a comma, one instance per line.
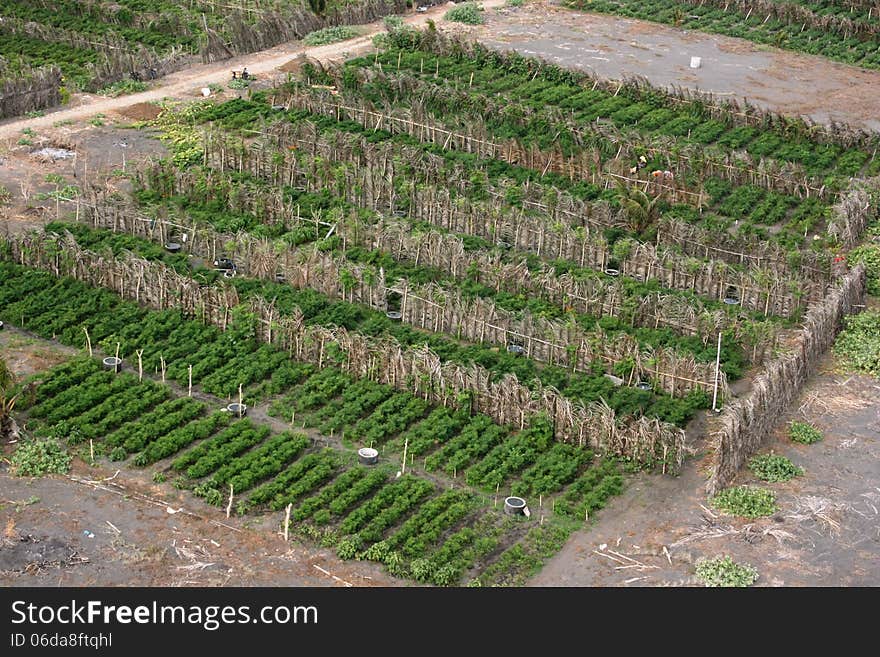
[644, 385]
[731, 301]
[514, 506]
[224, 263]
[172, 247]
[516, 349]
[278, 108]
[280, 278]
[229, 273]
[113, 363]
[238, 410]
[394, 315]
[611, 271]
[368, 456]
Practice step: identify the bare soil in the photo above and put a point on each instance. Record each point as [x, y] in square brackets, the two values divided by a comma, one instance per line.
[826, 531]
[619, 48]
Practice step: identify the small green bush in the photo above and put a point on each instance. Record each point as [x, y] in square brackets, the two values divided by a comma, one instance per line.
[746, 501]
[468, 13]
[330, 35]
[34, 458]
[514, 3]
[122, 88]
[723, 571]
[869, 255]
[804, 433]
[393, 23]
[858, 345]
[238, 84]
[774, 468]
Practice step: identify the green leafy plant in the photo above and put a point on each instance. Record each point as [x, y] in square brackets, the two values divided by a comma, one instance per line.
[468, 13]
[330, 35]
[123, 87]
[746, 501]
[723, 571]
[774, 468]
[34, 458]
[804, 433]
[858, 345]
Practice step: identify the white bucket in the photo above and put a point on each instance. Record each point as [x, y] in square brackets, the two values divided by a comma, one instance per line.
[207, 92]
[695, 62]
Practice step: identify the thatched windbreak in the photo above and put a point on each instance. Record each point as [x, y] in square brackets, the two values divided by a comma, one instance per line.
[273, 25]
[435, 308]
[858, 206]
[746, 422]
[29, 91]
[415, 370]
[368, 181]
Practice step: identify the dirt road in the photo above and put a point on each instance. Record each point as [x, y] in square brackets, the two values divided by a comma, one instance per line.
[189, 81]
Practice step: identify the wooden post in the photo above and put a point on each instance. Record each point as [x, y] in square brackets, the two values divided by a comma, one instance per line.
[717, 364]
[162, 362]
[190, 392]
[405, 447]
[239, 401]
[91, 451]
[287, 522]
[229, 506]
[140, 354]
[88, 341]
[117, 350]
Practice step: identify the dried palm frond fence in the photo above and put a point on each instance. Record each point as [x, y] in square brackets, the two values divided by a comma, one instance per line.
[432, 307]
[370, 183]
[246, 30]
[118, 59]
[596, 296]
[796, 14]
[726, 109]
[746, 422]
[854, 211]
[437, 98]
[415, 370]
[28, 90]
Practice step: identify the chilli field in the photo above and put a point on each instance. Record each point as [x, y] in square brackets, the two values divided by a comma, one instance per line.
[506, 277]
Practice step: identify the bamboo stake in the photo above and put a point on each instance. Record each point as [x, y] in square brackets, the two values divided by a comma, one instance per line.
[140, 353]
[190, 391]
[162, 362]
[287, 522]
[88, 341]
[717, 364]
[405, 447]
[229, 506]
[92, 451]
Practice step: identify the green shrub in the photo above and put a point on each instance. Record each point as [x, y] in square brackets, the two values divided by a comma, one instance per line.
[869, 254]
[804, 433]
[34, 458]
[514, 3]
[467, 13]
[723, 571]
[774, 468]
[393, 23]
[330, 35]
[859, 343]
[746, 501]
[122, 88]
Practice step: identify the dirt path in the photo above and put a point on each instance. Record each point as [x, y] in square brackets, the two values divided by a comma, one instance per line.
[189, 81]
[825, 533]
[616, 48]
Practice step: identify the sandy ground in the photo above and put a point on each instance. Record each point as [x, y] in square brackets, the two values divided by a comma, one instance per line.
[617, 48]
[826, 531]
